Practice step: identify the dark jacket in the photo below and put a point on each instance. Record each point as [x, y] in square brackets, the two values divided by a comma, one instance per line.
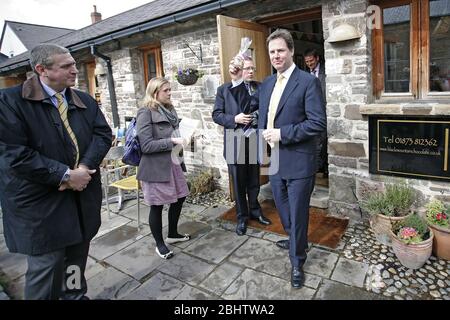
[35, 151]
[301, 117]
[154, 133]
[229, 103]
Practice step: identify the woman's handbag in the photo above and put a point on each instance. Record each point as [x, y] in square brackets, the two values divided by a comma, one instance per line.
[132, 151]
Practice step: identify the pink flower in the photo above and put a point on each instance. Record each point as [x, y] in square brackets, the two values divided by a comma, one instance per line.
[407, 233]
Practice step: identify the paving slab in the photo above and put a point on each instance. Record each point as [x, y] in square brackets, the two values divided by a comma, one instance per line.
[130, 212]
[138, 259]
[191, 293]
[196, 229]
[3, 247]
[311, 280]
[320, 262]
[216, 245]
[331, 290]
[158, 287]
[254, 285]
[350, 272]
[13, 265]
[110, 284]
[219, 280]
[213, 212]
[262, 255]
[16, 288]
[186, 268]
[4, 296]
[274, 237]
[109, 224]
[255, 232]
[92, 268]
[116, 240]
[193, 211]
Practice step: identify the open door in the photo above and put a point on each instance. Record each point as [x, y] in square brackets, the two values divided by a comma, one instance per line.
[231, 31]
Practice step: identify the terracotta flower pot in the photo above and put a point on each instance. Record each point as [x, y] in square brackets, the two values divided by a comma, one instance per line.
[381, 226]
[441, 242]
[415, 255]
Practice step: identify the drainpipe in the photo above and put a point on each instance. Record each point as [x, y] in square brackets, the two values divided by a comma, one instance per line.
[111, 88]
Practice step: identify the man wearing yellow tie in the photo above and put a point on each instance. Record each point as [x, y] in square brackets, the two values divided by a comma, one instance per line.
[292, 116]
[52, 140]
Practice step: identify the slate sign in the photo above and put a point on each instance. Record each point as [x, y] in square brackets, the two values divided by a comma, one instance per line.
[410, 146]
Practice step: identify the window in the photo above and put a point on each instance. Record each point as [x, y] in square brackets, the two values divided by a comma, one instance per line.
[411, 50]
[152, 62]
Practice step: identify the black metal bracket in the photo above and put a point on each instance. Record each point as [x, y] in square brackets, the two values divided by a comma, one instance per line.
[200, 51]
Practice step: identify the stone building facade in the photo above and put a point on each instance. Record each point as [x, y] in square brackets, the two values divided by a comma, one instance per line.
[349, 90]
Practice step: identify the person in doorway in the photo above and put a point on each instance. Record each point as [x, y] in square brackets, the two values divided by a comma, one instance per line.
[52, 141]
[232, 111]
[312, 61]
[292, 116]
[160, 169]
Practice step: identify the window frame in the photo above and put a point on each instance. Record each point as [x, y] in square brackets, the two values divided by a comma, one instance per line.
[156, 50]
[419, 55]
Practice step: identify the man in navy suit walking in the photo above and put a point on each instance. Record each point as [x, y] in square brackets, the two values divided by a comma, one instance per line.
[232, 111]
[292, 116]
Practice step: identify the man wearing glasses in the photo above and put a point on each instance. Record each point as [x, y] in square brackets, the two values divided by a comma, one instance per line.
[232, 111]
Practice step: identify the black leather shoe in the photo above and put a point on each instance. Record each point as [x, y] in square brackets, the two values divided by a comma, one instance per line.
[297, 278]
[241, 228]
[263, 220]
[283, 244]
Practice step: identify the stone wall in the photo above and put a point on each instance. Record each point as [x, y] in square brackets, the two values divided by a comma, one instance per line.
[348, 87]
[128, 77]
[350, 100]
[349, 95]
[197, 101]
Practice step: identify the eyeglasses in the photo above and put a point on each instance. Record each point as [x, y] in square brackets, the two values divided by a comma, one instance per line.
[249, 68]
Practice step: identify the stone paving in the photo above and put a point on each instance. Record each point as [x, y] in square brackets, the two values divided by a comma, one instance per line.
[218, 264]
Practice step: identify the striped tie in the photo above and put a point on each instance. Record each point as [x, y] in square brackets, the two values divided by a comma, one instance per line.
[63, 113]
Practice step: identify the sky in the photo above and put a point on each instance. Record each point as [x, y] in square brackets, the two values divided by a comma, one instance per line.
[73, 14]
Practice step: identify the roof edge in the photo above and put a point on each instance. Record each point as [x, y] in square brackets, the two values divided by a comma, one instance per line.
[158, 22]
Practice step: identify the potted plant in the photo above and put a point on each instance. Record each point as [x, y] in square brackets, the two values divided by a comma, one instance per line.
[438, 218]
[391, 205]
[412, 241]
[188, 76]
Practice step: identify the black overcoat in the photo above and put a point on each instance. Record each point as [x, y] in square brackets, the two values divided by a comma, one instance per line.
[35, 151]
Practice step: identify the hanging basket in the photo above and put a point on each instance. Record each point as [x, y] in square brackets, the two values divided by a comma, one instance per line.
[187, 79]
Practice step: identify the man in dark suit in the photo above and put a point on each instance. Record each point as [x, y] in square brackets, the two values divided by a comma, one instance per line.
[52, 140]
[232, 111]
[292, 114]
[317, 69]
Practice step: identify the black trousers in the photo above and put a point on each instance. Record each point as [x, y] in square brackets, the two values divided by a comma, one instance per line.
[245, 180]
[58, 274]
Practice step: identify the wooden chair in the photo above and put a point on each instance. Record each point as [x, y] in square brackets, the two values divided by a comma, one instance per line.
[116, 175]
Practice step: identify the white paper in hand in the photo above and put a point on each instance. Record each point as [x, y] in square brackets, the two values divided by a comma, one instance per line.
[188, 128]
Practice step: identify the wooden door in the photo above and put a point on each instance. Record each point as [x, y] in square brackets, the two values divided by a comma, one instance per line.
[231, 31]
[90, 70]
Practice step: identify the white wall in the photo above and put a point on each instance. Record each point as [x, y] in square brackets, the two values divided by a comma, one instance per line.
[11, 43]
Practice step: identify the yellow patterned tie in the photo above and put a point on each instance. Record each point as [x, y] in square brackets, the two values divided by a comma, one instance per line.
[274, 101]
[62, 108]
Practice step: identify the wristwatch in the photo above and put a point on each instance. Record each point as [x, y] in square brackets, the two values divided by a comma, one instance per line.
[66, 176]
